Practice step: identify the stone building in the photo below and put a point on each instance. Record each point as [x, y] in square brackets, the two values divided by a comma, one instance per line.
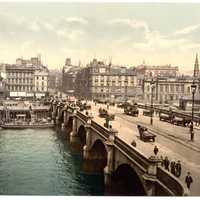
[146, 71]
[55, 80]
[41, 76]
[101, 81]
[167, 90]
[26, 80]
[69, 76]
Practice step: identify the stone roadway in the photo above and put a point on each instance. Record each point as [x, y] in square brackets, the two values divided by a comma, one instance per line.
[172, 141]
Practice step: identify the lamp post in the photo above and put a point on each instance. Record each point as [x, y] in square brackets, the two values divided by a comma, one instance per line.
[193, 87]
[126, 85]
[152, 88]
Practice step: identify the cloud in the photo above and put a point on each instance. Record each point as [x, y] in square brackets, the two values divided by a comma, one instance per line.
[187, 30]
[133, 23]
[48, 26]
[34, 26]
[76, 20]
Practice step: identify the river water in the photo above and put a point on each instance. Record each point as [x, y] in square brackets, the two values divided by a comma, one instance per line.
[41, 162]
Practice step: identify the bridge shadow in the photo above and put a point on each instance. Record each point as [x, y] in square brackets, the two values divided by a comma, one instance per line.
[97, 160]
[126, 182]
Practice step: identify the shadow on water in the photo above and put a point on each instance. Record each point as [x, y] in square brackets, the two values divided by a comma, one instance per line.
[93, 182]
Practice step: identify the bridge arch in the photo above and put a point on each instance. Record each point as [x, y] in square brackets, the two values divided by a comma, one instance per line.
[98, 156]
[82, 135]
[126, 181]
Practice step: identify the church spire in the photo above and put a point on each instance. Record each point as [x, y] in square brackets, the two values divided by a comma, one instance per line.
[196, 67]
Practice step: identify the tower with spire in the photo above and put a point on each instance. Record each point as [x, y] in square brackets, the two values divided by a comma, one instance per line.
[196, 67]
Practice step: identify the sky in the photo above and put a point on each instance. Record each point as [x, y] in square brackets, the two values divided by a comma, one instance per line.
[126, 33]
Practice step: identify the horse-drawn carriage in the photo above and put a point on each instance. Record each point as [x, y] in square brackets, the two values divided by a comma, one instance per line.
[131, 110]
[104, 114]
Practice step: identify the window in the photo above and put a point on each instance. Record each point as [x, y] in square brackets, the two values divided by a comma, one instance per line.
[37, 78]
[166, 88]
[172, 88]
[161, 88]
[188, 89]
[182, 88]
[42, 77]
[177, 88]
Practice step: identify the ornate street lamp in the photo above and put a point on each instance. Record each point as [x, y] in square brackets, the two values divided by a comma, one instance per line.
[193, 87]
[152, 89]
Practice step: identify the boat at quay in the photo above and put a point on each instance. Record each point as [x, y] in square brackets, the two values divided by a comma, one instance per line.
[25, 115]
[25, 126]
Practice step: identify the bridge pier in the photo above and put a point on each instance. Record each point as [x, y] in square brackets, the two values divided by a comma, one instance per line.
[74, 139]
[87, 146]
[108, 170]
[54, 112]
[65, 117]
[151, 176]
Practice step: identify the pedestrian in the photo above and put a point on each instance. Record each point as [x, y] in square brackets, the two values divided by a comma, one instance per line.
[107, 106]
[166, 163]
[173, 167]
[162, 161]
[188, 180]
[178, 168]
[155, 150]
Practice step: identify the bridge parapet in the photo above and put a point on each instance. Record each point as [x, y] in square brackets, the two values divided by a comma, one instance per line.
[100, 129]
[174, 185]
[133, 154]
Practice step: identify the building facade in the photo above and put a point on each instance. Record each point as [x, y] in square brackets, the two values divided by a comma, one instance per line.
[168, 90]
[41, 78]
[26, 80]
[146, 71]
[101, 81]
[69, 74]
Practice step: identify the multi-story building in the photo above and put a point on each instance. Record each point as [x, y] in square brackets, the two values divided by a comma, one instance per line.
[170, 89]
[167, 90]
[55, 80]
[20, 80]
[146, 71]
[41, 76]
[69, 74]
[26, 80]
[101, 81]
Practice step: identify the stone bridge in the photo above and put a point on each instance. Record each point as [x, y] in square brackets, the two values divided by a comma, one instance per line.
[127, 171]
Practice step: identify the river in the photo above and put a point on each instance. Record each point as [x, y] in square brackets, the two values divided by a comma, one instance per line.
[41, 162]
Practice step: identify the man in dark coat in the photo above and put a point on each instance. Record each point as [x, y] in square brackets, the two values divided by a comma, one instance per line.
[178, 168]
[173, 167]
[155, 150]
[188, 180]
[166, 163]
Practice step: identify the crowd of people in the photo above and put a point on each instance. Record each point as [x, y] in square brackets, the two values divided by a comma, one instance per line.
[174, 167]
